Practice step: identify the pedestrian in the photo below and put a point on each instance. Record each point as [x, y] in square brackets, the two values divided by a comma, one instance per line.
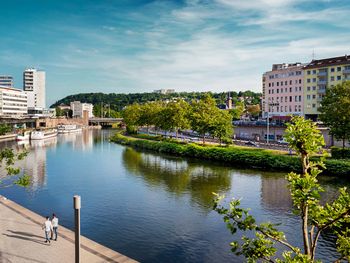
[47, 227]
[54, 222]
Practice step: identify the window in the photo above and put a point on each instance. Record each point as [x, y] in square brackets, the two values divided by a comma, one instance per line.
[286, 83]
[272, 93]
[308, 72]
[286, 90]
[296, 89]
[314, 80]
[290, 89]
[269, 84]
[313, 105]
[308, 88]
[338, 69]
[332, 78]
[272, 84]
[338, 77]
[313, 96]
[299, 108]
[308, 80]
[285, 108]
[295, 108]
[299, 88]
[290, 82]
[290, 98]
[296, 98]
[299, 81]
[278, 90]
[269, 91]
[278, 83]
[314, 88]
[299, 97]
[308, 97]
[332, 69]
[314, 71]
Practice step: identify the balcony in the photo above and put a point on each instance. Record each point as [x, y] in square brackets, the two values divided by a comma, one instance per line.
[322, 74]
[321, 90]
[322, 82]
[346, 71]
[319, 99]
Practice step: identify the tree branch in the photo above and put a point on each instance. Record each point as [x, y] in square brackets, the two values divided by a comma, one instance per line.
[278, 240]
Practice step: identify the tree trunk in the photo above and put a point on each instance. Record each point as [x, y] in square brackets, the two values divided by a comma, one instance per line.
[305, 229]
[203, 139]
[177, 133]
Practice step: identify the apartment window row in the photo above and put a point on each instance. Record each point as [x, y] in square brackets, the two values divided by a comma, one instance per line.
[285, 75]
[285, 83]
[334, 69]
[285, 90]
[286, 99]
[297, 108]
[309, 105]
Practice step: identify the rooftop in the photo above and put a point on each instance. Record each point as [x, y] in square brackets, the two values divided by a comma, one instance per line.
[328, 62]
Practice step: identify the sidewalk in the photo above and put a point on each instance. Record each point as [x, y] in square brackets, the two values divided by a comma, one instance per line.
[22, 240]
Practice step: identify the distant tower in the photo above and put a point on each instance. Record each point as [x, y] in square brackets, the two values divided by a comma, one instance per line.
[34, 87]
[229, 101]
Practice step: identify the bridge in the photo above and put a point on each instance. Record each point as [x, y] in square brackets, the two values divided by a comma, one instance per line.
[104, 122]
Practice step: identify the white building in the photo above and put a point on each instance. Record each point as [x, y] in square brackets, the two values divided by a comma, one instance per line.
[13, 102]
[78, 108]
[6, 81]
[164, 91]
[34, 86]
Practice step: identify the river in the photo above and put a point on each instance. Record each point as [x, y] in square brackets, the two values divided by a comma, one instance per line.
[151, 207]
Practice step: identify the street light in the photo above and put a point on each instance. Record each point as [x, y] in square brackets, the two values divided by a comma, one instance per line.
[268, 122]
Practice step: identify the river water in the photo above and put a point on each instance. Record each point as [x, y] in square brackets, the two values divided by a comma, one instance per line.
[151, 207]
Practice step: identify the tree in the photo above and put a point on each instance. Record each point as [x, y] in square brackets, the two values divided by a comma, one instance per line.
[253, 110]
[335, 111]
[7, 159]
[131, 115]
[59, 112]
[222, 125]
[4, 128]
[303, 137]
[201, 116]
[238, 110]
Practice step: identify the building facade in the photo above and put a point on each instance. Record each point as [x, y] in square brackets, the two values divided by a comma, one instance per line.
[6, 81]
[78, 109]
[283, 90]
[318, 76]
[13, 102]
[34, 86]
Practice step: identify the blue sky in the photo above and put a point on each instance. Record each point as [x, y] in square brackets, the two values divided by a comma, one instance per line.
[137, 46]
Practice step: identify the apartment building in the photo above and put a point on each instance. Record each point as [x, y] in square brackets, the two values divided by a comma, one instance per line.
[34, 87]
[6, 81]
[283, 90]
[318, 76]
[13, 102]
[78, 109]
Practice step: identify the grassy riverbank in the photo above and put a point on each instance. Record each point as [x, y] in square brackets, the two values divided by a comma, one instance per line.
[241, 157]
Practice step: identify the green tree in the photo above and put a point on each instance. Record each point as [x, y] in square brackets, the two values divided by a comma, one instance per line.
[238, 110]
[59, 112]
[131, 115]
[253, 110]
[335, 111]
[303, 137]
[149, 113]
[7, 159]
[202, 115]
[4, 128]
[222, 126]
[176, 116]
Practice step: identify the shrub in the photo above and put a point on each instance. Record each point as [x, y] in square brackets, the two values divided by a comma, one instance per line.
[340, 153]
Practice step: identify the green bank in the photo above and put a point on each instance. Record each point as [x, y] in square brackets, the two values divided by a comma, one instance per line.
[236, 156]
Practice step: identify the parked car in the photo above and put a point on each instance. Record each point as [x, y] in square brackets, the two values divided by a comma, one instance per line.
[282, 141]
[250, 143]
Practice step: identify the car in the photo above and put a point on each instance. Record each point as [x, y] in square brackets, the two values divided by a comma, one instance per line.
[251, 143]
[282, 141]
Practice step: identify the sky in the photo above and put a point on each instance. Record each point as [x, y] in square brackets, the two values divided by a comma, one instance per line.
[134, 46]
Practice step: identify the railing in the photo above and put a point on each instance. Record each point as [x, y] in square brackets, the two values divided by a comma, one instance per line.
[346, 71]
[322, 82]
[322, 74]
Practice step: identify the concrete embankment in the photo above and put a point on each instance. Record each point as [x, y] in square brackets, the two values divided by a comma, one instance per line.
[22, 240]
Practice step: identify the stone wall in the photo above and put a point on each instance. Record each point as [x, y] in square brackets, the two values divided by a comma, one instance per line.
[53, 122]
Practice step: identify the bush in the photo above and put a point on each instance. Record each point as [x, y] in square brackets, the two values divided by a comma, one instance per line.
[340, 153]
[234, 156]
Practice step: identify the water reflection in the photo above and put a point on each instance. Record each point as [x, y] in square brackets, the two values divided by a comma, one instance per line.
[179, 177]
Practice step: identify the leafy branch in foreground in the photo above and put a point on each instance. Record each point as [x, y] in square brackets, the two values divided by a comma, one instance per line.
[303, 137]
[8, 158]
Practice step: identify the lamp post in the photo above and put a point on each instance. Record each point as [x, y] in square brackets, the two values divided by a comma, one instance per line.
[77, 206]
[268, 121]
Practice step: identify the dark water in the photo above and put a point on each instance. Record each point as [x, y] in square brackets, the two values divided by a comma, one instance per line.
[151, 207]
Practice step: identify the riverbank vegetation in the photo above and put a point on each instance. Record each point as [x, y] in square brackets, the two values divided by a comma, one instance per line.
[316, 218]
[202, 116]
[237, 156]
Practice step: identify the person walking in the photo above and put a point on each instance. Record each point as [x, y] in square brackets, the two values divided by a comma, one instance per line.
[54, 222]
[47, 227]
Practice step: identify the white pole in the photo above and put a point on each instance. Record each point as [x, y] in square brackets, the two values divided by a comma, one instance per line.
[268, 126]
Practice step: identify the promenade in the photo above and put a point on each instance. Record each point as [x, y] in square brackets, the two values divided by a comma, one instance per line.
[22, 240]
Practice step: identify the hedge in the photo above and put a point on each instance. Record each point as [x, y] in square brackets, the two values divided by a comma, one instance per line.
[234, 156]
[340, 153]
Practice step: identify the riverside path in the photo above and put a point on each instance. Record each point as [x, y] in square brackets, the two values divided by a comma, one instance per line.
[22, 240]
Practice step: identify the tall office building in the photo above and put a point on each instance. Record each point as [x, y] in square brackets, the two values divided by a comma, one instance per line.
[34, 87]
[6, 81]
[13, 102]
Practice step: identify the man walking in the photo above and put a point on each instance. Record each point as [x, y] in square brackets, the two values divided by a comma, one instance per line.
[54, 226]
[47, 227]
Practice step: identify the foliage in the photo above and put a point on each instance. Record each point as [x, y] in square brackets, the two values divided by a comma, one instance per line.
[237, 156]
[335, 111]
[131, 115]
[7, 159]
[306, 140]
[253, 110]
[222, 126]
[119, 101]
[4, 128]
[238, 110]
[340, 153]
[59, 112]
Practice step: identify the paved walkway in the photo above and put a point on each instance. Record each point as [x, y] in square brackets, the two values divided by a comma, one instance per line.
[22, 240]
